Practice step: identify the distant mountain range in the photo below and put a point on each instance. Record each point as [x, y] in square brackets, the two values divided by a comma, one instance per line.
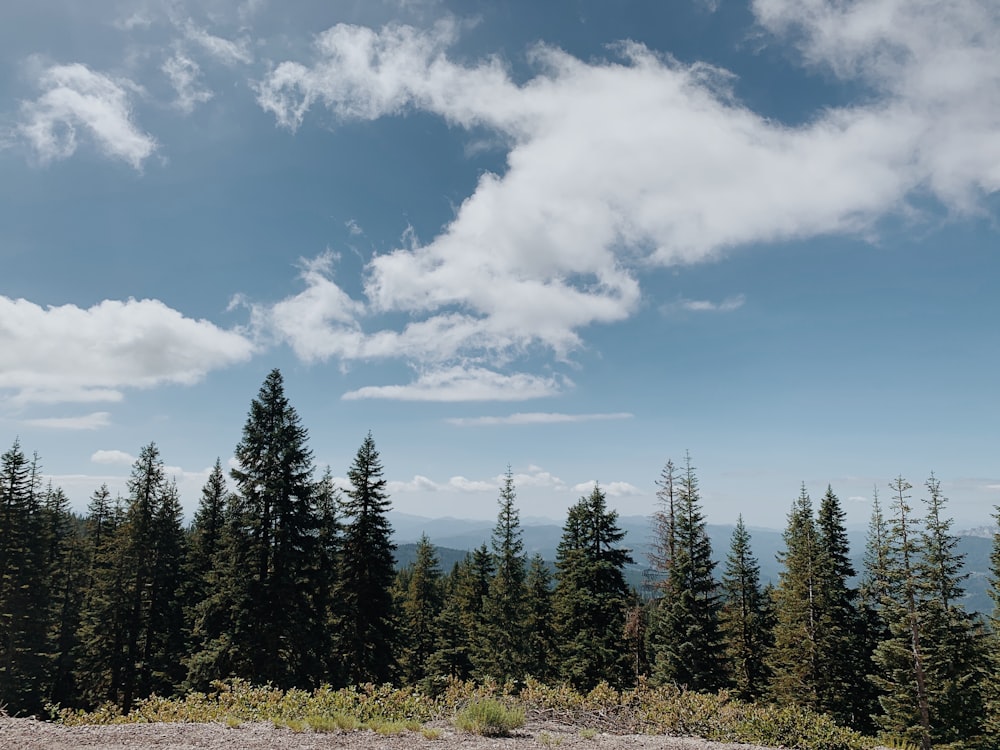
[455, 537]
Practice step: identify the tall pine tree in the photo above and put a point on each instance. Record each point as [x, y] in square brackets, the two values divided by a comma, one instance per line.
[502, 640]
[365, 629]
[686, 641]
[258, 623]
[744, 619]
[591, 596]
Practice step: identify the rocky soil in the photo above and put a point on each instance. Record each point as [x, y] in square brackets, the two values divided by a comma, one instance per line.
[22, 734]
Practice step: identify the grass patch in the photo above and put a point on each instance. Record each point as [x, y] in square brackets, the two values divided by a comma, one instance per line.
[490, 718]
[431, 733]
[588, 733]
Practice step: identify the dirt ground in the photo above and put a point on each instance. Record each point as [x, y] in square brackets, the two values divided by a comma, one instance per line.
[25, 734]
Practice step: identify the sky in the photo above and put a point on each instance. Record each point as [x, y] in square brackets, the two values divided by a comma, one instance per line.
[575, 238]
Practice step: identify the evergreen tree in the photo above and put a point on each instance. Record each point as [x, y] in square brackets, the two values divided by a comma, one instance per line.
[843, 689]
[133, 631]
[366, 573]
[67, 563]
[743, 618]
[686, 641]
[24, 580]
[664, 546]
[501, 641]
[328, 500]
[101, 660]
[461, 618]
[258, 623]
[955, 641]
[421, 608]
[591, 596]
[539, 624]
[901, 657]
[795, 660]
[992, 725]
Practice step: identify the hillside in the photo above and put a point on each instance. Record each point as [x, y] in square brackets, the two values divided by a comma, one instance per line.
[454, 537]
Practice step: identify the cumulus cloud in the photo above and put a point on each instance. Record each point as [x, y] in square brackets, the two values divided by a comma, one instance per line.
[465, 384]
[184, 76]
[112, 457]
[93, 421]
[611, 489]
[640, 160]
[534, 477]
[535, 418]
[77, 98]
[72, 354]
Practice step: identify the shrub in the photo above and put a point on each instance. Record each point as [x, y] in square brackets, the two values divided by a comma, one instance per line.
[490, 718]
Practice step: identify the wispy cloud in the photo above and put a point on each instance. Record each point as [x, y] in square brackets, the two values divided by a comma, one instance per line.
[465, 384]
[184, 75]
[71, 354]
[75, 97]
[522, 418]
[703, 305]
[93, 421]
[224, 50]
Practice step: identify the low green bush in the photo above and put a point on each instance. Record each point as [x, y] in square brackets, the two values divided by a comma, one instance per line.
[489, 717]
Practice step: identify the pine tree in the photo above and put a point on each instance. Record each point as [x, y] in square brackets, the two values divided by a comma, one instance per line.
[686, 641]
[795, 661]
[24, 580]
[591, 596]
[743, 618]
[133, 621]
[501, 642]
[101, 661]
[664, 546]
[992, 725]
[843, 689]
[67, 563]
[258, 623]
[366, 573]
[955, 641]
[421, 608]
[461, 618]
[328, 500]
[901, 658]
[539, 624]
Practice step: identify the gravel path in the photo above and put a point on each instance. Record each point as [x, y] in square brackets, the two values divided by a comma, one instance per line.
[25, 734]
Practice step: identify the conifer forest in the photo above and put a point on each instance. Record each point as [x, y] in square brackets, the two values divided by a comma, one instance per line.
[283, 579]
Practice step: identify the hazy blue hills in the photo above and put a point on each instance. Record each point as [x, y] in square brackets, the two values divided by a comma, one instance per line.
[454, 537]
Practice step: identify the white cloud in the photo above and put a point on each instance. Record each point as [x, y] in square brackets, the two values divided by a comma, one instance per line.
[112, 457]
[93, 421]
[465, 384]
[611, 489]
[703, 305]
[184, 73]
[70, 354]
[535, 418]
[224, 50]
[617, 165]
[77, 97]
[534, 477]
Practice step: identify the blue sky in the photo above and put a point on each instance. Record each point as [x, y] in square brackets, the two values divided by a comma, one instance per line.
[575, 237]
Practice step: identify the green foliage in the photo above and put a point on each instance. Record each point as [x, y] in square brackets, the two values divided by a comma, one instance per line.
[420, 610]
[365, 610]
[745, 619]
[686, 642]
[490, 718]
[501, 640]
[591, 595]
